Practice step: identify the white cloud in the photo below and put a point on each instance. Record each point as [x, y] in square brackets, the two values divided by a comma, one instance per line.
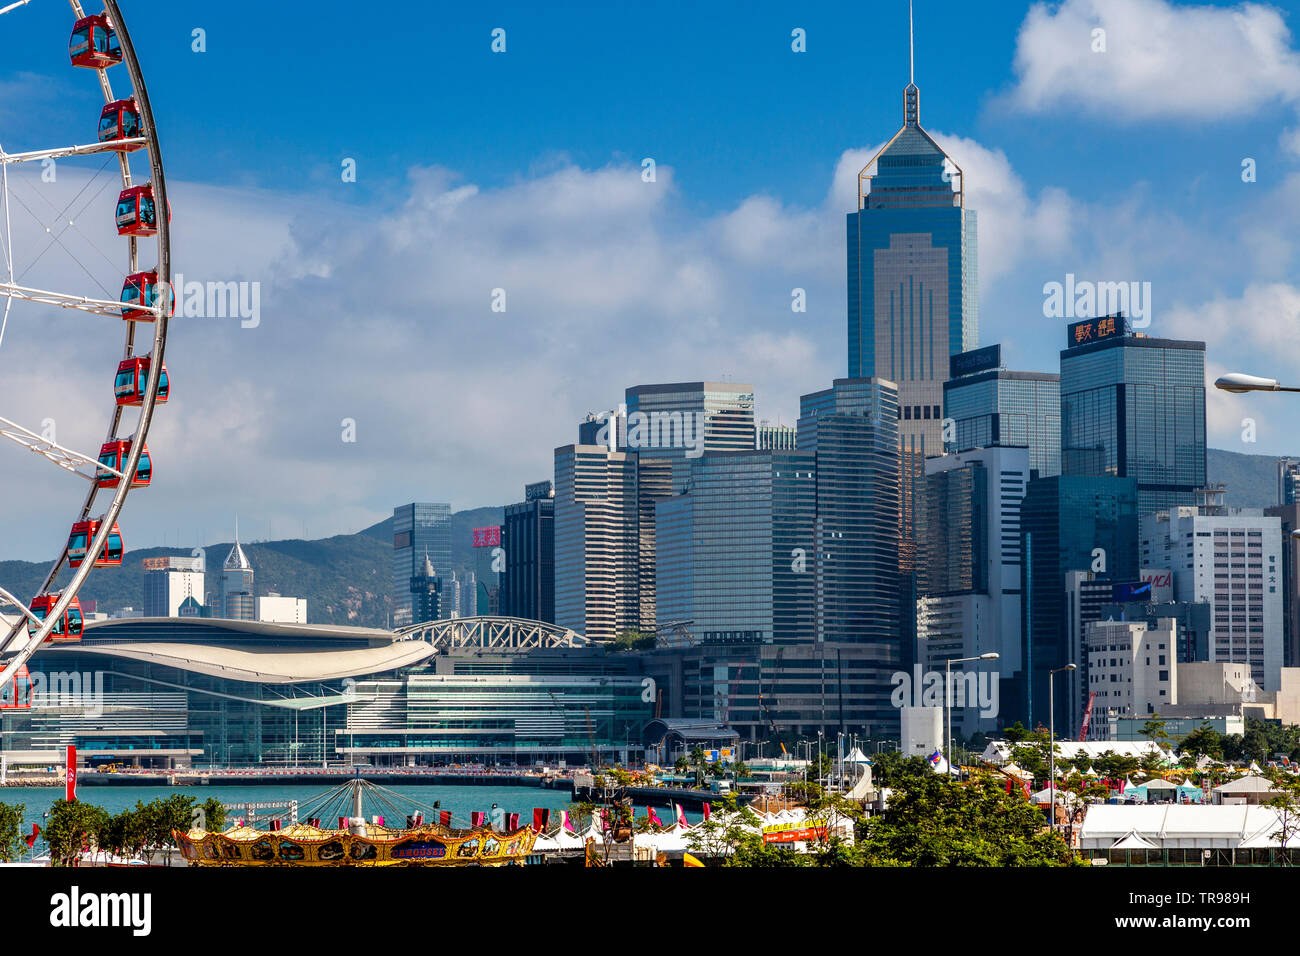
[1161, 59]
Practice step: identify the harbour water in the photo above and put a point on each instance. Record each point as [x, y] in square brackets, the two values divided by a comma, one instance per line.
[460, 800]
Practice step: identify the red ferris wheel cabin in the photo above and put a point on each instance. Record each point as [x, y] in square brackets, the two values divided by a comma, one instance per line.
[114, 454]
[133, 378]
[119, 120]
[16, 694]
[136, 212]
[139, 293]
[93, 43]
[83, 532]
[68, 627]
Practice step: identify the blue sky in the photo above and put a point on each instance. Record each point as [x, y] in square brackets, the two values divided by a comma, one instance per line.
[521, 170]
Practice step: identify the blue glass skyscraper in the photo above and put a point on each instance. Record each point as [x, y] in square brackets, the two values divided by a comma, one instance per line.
[1134, 407]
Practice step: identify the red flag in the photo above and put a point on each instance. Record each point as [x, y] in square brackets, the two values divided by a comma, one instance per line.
[36, 831]
[70, 789]
[654, 817]
[681, 815]
[706, 811]
[444, 817]
[476, 818]
[512, 822]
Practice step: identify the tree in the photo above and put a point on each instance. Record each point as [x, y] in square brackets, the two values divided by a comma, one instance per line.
[1204, 741]
[1286, 801]
[934, 821]
[73, 826]
[722, 833]
[1154, 729]
[11, 831]
[698, 764]
[633, 640]
[681, 765]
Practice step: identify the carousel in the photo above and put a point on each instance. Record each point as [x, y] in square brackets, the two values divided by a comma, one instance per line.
[356, 841]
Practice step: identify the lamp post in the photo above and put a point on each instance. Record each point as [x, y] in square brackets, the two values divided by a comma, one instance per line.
[947, 695]
[1051, 738]
[1239, 382]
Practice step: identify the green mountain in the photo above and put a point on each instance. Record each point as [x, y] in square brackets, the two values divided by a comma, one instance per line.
[346, 579]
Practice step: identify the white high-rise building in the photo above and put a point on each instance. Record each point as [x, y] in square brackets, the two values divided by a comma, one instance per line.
[168, 582]
[1232, 560]
[276, 609]
[1132, 667]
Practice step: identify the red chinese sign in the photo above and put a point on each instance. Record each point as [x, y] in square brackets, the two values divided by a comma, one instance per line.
[487, 537]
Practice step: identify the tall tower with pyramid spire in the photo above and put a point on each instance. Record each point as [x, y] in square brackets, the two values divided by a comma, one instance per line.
[426, 593]
[236, 597]
[912, 291]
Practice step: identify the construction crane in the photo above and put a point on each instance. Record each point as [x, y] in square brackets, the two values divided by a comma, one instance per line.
[1087, 717]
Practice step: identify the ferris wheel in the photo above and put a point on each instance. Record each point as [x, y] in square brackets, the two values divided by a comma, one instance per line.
[98, 42]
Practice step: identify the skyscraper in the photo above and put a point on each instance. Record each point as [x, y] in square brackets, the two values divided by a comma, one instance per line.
[168, 582]
[236, 594]
[912, 288]
[680, 421]
[852, 429]
[1134, 407]
[604, 539]
[1067, 523]
[528, 537]
[419, 528]
[968, 563]
[426, 594]
[992, 406]
[1231, 560]
[735, 556]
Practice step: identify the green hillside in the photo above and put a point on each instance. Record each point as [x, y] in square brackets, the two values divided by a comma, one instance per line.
[1251, 479]
[346, 579]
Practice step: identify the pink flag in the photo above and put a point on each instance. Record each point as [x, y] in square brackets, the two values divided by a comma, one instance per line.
[681, 816]
[654, 817]
[706, 811]
[565, 822]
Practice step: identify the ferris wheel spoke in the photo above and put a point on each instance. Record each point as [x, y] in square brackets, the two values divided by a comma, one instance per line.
[89, 149]
[14, 6]
[81, 303]
[7, 598]
[65, 458]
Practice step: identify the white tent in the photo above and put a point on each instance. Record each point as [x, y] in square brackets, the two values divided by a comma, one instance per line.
[856, 756]
[1134, 841]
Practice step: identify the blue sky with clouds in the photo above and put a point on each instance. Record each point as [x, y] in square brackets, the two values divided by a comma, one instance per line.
[522, 171]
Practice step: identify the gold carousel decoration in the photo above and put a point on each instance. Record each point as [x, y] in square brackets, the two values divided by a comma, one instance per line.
[355, 842]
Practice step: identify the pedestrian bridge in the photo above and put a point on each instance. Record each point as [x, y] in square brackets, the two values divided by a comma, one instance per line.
[504, 633]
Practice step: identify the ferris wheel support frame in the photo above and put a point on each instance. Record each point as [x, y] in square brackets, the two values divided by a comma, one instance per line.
[14, 652]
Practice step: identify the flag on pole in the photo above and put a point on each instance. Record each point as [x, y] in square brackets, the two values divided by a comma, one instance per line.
[706, 811]
[565, 822]
[31, 838]
[937, 763]
[681, 816]
[70, 790]
[654, 817]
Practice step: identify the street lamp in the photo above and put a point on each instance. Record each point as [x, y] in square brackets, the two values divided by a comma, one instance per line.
[1051, 738]
[1239, 382]
[947, 694]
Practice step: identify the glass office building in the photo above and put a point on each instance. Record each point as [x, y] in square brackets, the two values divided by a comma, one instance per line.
[735, 556]
[419, 528]
[852, 428]
[528, 537]
[992, 406]
[682, 420]
[1067, 523]
[1134, 407]
[912, 290]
